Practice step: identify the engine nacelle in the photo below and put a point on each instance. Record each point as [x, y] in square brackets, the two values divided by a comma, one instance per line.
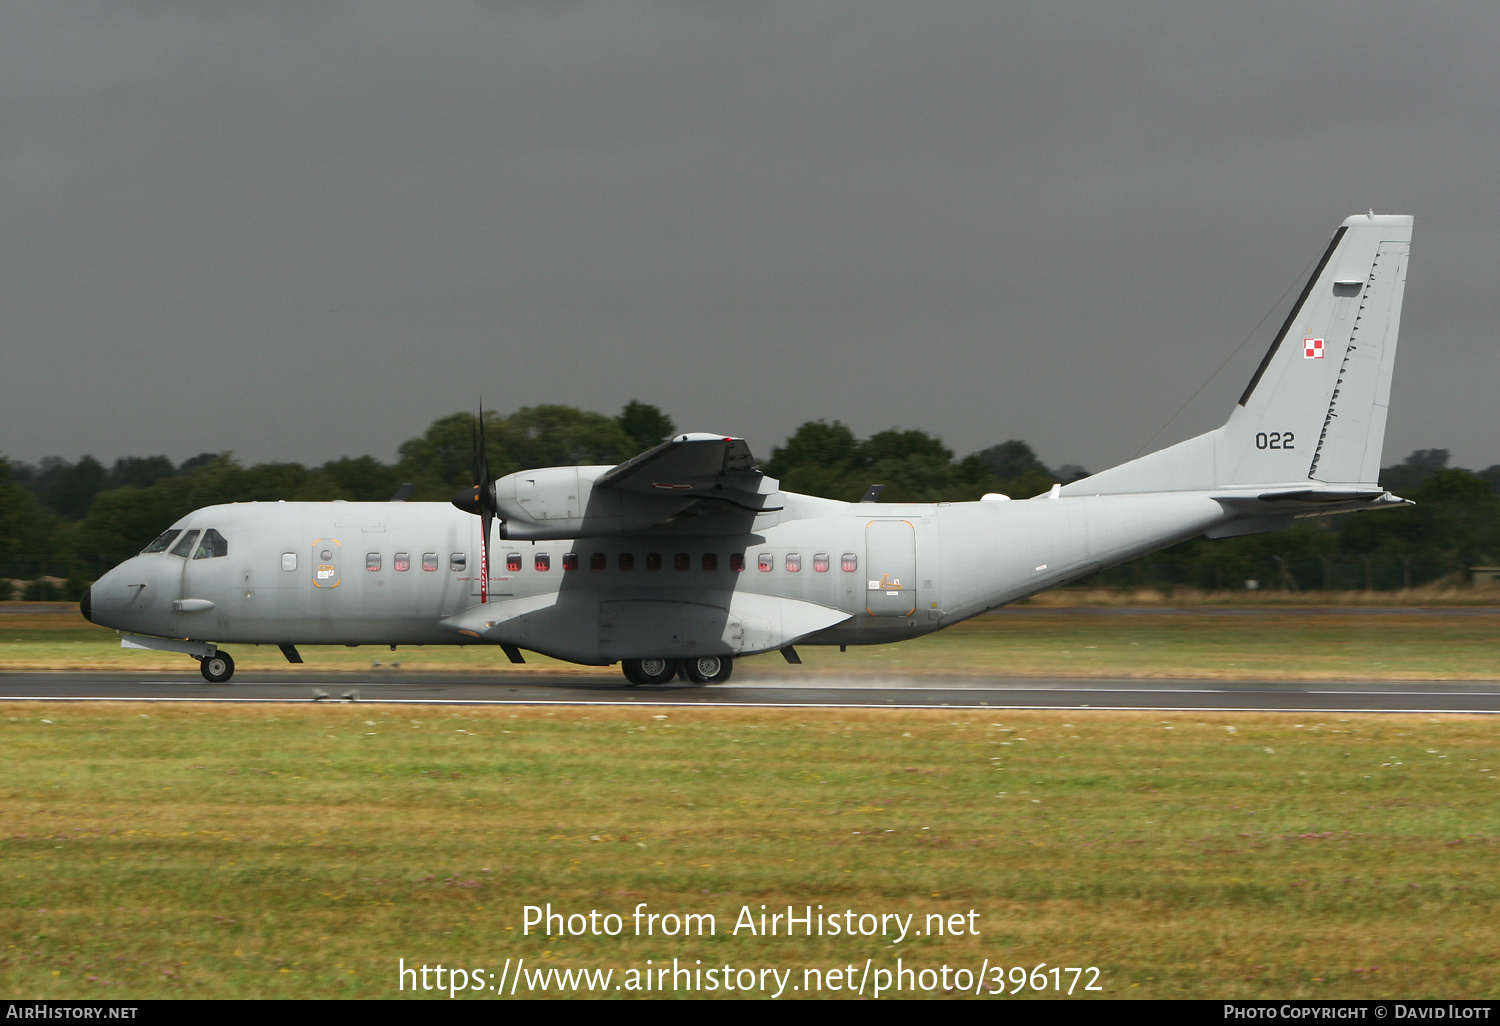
[561, 502]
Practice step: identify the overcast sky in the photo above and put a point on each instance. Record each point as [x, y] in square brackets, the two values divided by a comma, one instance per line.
[305, 230]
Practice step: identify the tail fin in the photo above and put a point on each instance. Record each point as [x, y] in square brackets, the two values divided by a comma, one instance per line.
[1315, 409]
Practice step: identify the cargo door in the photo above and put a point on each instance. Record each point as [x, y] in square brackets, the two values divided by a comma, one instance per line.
[891, 562]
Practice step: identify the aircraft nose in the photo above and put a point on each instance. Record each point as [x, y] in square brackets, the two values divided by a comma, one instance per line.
[115, 597]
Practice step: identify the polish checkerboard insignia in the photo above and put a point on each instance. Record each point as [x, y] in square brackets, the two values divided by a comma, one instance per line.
[1312, 349]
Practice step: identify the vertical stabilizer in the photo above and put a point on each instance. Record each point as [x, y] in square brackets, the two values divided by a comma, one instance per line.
[1315, 410]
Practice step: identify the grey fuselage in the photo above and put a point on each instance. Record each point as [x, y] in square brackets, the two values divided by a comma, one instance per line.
[881, 572]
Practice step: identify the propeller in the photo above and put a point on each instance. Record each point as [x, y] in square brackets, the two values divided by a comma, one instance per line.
[480, 500]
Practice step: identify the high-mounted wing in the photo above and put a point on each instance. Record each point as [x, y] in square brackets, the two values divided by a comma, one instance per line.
[700, 466]
[692, 462]
[705, 483]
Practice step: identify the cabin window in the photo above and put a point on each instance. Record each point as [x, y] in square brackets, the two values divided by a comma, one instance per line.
[288, 561]
[737, 562]
[598, 561]
[682, 562]
[402, 562]
[653, 561]
[849, 563]
[162, 541]
[457, 560]
[765, 562]
[627, 561]
[372, 561]
[793, 562]
[570, 561]
[184, 548]
[543, 561]
[513, 562]
[820, 562]
[429, 561]
[710, 562]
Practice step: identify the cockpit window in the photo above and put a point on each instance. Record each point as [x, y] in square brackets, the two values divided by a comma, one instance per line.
[184, 548]
[213, 544]
[162, 541]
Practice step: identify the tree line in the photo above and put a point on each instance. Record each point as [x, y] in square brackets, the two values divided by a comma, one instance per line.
[75, 520]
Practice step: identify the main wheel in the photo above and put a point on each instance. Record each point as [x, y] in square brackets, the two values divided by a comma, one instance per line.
[649, 671]
[708, 669]
[217, 668]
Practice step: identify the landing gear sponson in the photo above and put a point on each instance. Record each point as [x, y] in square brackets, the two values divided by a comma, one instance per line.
[699, 670]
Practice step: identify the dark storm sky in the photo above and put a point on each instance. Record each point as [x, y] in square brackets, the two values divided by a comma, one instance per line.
[300, 231]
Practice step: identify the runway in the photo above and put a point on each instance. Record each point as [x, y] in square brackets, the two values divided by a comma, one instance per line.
[788, 690]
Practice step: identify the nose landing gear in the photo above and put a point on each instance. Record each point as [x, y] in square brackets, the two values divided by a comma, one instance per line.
[216, 668]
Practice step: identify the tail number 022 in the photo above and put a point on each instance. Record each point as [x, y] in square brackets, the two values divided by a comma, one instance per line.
[1275, 440]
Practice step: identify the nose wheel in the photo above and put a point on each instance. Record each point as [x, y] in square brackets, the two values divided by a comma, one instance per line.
[217, 668]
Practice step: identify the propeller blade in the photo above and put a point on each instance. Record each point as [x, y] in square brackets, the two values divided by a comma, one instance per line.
[485, 519]
[487, 509]
[479, 499]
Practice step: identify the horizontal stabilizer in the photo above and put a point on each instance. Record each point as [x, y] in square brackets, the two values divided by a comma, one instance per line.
[1323, 495]
[1268, 506]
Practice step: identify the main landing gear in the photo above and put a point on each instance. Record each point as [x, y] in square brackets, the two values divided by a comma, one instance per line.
[699, 670]
[216, 668]
[708, 669]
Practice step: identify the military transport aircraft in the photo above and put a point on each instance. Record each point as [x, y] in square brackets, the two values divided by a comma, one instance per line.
[687, 556]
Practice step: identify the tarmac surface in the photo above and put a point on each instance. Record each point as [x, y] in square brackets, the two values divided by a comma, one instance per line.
[784, 690]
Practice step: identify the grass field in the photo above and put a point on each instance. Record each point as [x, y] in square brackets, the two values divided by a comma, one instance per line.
[299, 851]
[1285, 644]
